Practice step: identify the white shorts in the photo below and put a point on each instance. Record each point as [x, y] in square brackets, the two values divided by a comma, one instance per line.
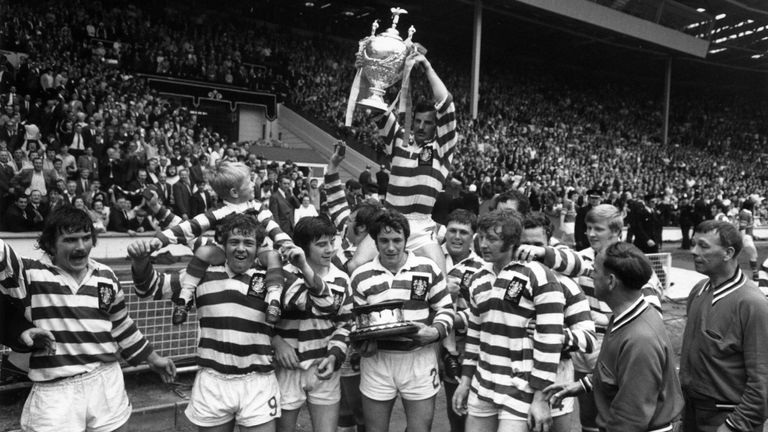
[412, 374]
[422, 233]
[95, 401]
[299, 385]
[585, 363]
[481, 408]
[564, 375]
[251, 400]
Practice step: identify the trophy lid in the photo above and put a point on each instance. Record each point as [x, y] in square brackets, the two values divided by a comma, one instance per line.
[392, 31]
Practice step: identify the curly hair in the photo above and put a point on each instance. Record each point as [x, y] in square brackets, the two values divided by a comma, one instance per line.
[64, 220]
[240, 223]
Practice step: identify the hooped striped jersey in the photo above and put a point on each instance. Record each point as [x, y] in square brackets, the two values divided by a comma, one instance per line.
[339, 211]
[188, 231]
[89, 320]
[235, 337]
[316, 322]
[419, 284]
[579, 329]
[505, 363]
[419, 171]
[463, 272]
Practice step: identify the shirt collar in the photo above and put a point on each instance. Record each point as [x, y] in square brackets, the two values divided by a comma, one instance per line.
[449, 261]
[233, 275]
[735, 282]
[92, 268]
[629, 315]
[408, 262]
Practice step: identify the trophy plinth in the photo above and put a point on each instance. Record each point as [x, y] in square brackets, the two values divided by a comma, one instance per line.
[375, 101]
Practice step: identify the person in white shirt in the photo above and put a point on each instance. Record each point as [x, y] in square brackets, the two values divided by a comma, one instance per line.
[306, 209]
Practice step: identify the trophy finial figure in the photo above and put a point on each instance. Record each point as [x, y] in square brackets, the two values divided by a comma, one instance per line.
[411, 31]
[374, 26]
[396, 12]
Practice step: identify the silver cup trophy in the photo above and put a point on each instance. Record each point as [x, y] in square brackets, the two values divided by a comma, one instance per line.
[383, 59]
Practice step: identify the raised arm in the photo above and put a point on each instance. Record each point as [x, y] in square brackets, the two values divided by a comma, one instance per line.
[148, 282]
[439, 91]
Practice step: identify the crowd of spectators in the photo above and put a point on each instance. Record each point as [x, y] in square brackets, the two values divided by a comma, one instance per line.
[80, 126]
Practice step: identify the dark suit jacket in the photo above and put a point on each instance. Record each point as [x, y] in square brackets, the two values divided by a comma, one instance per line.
[14, 140]
[196, 174]
[200, 202]
[164, 190]
[182, 196]
[16, 220]
[90, 162]
[12, 322]
[6, 177]
[82, 189]
[134, 225]
[110, 172]
[282, 210]
[117, 221]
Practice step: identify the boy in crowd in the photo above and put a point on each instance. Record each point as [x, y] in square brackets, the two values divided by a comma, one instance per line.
[232, 182]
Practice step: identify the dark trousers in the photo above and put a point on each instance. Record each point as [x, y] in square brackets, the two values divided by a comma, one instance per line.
[686, 230]
[704, 416]
[456, 421]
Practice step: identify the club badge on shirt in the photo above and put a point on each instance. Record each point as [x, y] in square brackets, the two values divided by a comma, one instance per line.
[464, 285]
[465, 279]
[338, 299]
[419, 287]
[256, 288]
[515, 290]
[106, 295]
[425, 157]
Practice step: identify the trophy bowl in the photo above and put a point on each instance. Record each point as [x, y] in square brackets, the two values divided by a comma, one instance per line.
[383, 60]
[380, 320]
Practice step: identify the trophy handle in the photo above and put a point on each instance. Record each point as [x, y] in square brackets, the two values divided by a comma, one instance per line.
[411, 31]
[374, 27]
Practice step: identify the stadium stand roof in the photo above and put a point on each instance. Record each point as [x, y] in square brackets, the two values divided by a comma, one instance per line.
[737, 29]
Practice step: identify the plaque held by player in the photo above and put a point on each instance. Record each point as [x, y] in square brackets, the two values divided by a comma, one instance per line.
[380, 321]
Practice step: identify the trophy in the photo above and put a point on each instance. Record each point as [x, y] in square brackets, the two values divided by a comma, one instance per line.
[381, 320]
[381, 64]
[383, 59]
